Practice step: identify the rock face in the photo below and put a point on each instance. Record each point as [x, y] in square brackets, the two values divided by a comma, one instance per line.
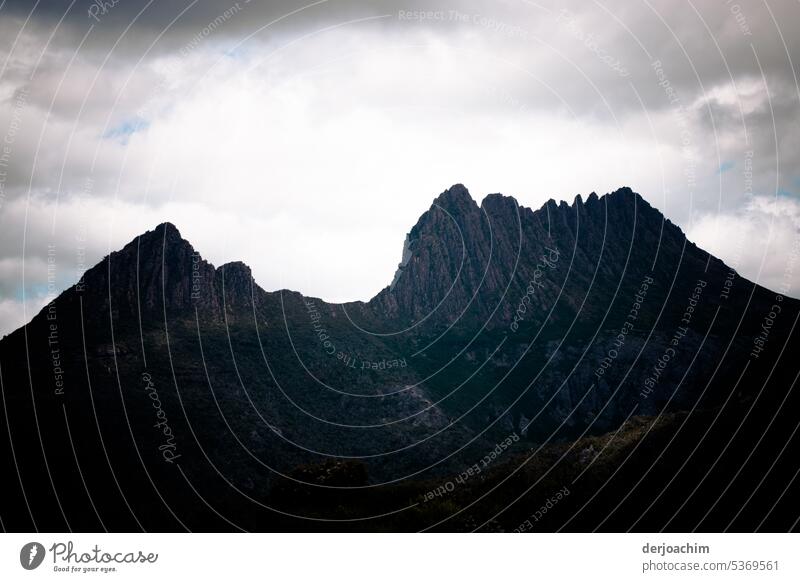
[161, 272]
[476, 261]
[549, 325]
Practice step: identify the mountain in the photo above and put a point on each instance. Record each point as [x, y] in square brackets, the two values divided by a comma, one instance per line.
[586, 345]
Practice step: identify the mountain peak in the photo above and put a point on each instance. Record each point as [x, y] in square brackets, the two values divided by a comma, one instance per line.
[235, 273]
[236, 267]
[498, 201]
[164, 229]
[456, 198]
[167, 225]
[623, 194]
[164, 236]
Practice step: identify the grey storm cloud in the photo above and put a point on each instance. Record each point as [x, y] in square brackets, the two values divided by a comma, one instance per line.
[701, 44]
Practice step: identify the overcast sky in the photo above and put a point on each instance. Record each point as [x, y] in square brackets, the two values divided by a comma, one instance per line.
[306, 138]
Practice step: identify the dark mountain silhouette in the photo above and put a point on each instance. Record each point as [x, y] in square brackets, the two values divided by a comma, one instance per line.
[516, 352]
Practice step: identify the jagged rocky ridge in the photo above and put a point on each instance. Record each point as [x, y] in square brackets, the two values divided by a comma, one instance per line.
[500, 321]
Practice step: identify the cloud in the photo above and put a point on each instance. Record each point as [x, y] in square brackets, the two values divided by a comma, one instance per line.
[307, 138]
[760, 241]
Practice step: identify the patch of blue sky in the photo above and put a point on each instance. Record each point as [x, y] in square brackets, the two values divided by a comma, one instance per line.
[238, 53]
[124, 130]
[31, 291]
[725, 166]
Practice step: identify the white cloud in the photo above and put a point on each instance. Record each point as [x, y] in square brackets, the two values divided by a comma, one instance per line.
[761, 242]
